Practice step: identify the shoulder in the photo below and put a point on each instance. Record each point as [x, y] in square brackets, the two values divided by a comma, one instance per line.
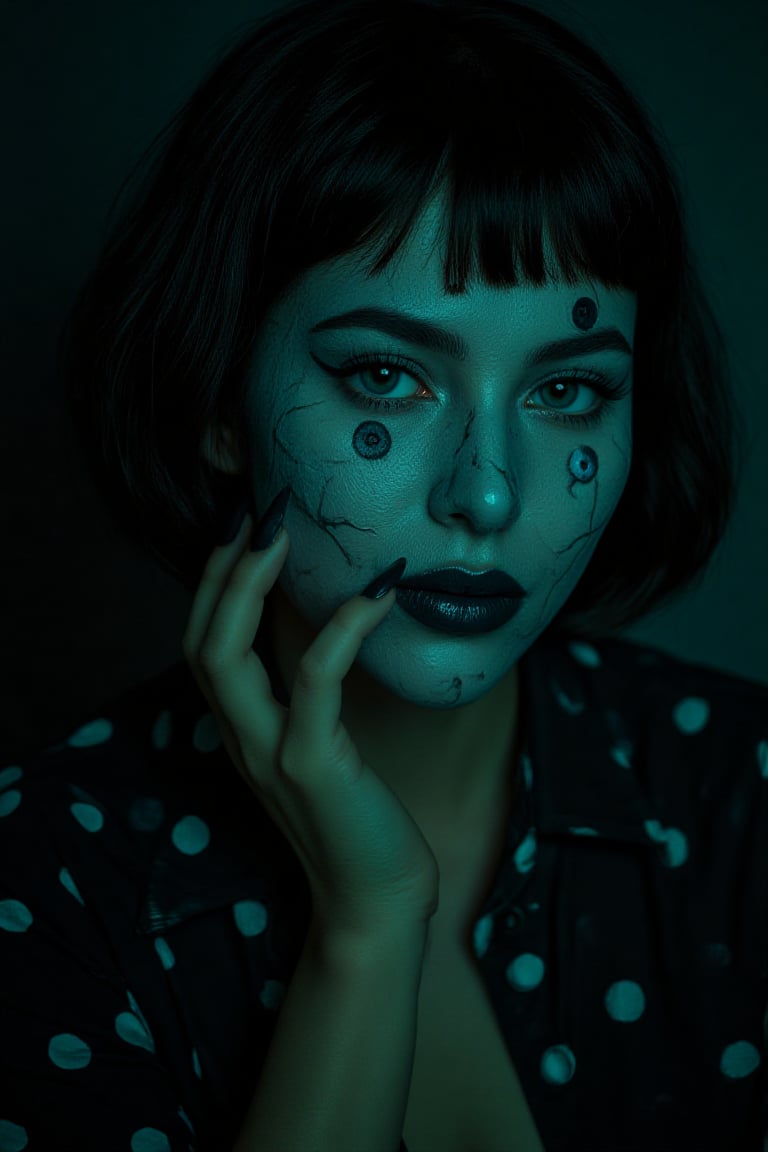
[675, 703]
[683, 745]
[697, 737]
[117, 770]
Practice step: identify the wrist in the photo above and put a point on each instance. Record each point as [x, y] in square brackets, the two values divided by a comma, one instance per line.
[342, 947]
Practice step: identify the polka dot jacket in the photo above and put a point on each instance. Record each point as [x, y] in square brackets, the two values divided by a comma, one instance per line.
[151, 916]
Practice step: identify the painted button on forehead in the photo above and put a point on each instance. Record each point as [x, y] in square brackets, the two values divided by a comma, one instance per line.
[584, 313]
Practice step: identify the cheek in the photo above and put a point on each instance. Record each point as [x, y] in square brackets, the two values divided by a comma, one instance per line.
[573, 491]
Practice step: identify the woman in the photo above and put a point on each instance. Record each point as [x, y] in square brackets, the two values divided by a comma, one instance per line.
[410, 849]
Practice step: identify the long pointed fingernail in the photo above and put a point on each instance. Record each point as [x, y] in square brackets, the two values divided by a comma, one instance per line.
[382, 584]
[232, 523]
[271, 522]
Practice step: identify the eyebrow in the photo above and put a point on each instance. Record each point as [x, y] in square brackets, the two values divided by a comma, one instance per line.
[429, 335]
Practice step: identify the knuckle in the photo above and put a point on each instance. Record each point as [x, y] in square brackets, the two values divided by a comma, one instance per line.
[289, 761]
[312, 670]
[212, 658]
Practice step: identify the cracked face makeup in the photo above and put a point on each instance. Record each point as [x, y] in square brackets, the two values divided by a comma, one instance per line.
[491, 430]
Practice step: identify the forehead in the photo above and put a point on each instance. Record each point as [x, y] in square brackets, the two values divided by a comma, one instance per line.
[414, 282]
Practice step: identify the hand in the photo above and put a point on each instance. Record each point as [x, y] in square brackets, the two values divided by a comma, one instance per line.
[366, 860]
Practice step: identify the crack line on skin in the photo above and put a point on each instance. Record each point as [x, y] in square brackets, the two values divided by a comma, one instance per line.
[561, 552]
[456, 686]
[277, 441]
[467, 428]
[326, 524]
[583, 536]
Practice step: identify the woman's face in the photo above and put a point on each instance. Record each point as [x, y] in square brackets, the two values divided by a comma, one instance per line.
[485, 468]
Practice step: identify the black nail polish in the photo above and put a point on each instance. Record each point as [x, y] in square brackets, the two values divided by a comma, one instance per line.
[382, 584]
[271, 522]
[232, 523]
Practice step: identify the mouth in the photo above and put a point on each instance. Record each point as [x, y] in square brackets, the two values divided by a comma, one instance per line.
[457, 615]
[460, 582]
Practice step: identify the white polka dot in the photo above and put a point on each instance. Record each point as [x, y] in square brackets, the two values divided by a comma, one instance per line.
[583, 831]
[9, 776]
[525, 972]
[68, 1051]
[149, 1140]
[13, 1138]
[206, 736]
[676, 848]
[126, 1025]
[66, 881]
[762, 758]
[146, 813]
[165, 952]
[586, 654]
[97, 732]
[272, 994]
[14, 916]
[625, 1001]
[622, 752]
[135, 1007]
[9, 801]
[196, 1064]
[739, 1060]
[162, 730]
[88, 816]
[572, 707]
[691, 714]
[131, 1029]
[673, 841]
[190, 835]
[525, 853]
[186, 1120]
[250, 917]
[481, 935]
[558, 1064]
[527, 765]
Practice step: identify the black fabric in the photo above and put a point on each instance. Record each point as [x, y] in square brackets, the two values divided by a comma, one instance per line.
[151, 916]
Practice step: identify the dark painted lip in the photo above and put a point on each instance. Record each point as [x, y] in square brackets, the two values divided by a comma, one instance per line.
[460, 582]
[458, 615]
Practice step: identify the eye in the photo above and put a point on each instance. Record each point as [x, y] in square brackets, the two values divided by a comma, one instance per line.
[398, 365]
[579, 380]
[361, 363]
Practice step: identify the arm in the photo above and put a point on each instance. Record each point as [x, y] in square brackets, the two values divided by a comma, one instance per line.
[338, 1071]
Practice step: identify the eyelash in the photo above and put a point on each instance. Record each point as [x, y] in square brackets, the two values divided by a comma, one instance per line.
[600, 384]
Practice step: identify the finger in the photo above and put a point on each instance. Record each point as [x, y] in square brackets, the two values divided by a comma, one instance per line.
[315, 713]
[238, 680]
[216, 573]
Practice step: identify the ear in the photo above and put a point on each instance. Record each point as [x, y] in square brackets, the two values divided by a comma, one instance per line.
[221, 449]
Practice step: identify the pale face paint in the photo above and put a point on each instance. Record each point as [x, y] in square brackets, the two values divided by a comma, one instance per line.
[475, 471]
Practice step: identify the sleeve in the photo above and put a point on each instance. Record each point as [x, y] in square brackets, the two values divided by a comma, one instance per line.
[78, 1069]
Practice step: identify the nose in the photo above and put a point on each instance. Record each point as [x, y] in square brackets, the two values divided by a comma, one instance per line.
[479, 482]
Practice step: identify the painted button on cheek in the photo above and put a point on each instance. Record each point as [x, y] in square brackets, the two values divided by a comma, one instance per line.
[371, 440]
[582, 464]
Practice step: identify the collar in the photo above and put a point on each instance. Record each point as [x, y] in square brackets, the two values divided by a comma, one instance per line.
[581, 709]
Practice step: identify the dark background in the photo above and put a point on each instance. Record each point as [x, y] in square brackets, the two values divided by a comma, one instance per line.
[83, 87]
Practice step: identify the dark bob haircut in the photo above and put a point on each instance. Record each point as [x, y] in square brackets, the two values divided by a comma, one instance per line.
[322, 130]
